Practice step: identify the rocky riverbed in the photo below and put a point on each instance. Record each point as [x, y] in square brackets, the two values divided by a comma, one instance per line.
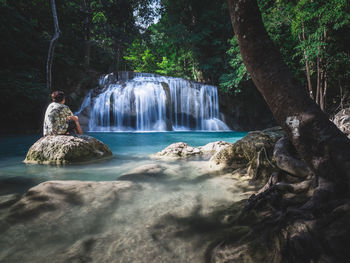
[174, 208]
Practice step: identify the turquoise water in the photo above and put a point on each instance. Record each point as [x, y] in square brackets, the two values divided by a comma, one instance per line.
[171, 217]
[130, 150]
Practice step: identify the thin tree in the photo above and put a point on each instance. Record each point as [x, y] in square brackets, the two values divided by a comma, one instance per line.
[52, 46]
[324, 148]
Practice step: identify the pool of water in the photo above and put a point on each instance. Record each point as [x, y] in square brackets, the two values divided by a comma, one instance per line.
[130, 150]
[172, 218]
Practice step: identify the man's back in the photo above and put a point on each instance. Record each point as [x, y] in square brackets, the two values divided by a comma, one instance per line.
[55, 121]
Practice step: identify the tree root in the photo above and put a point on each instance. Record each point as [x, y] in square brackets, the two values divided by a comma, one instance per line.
[287, 161]
[295, 217]
[291, 186]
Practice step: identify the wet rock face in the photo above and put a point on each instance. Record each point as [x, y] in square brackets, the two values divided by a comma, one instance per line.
[342, 120]
[63, 149]
[245, 152]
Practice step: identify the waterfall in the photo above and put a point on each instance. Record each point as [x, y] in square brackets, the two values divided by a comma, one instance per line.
[146, 102]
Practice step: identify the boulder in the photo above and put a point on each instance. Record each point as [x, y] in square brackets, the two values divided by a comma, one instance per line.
[214, 147]
[181, 150]
[63, 149]
[342, 120]
[177, 151]
[254, 151]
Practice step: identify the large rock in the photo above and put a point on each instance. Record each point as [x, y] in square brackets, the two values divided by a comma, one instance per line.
[181, 150]
[342, 120]
[177, 151]
[214, 147]
[63, 149]
[253, 151]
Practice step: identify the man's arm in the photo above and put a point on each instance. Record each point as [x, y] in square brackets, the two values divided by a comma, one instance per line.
[77, 124]
[70, 116]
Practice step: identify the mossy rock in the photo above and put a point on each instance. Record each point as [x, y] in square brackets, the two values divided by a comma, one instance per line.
[63, 149]
[245, 152]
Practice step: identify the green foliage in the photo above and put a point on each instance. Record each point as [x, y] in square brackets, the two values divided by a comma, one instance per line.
[94, 38]
[232, 82]
[193, 39]
[140, 57]
[189, 41]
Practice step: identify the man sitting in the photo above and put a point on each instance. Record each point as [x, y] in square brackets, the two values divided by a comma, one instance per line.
[59, 118]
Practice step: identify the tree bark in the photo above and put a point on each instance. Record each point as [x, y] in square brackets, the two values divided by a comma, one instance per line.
[325, 80]
[318, 79]
[85, 5]
[307, 67]
[325, 89]
[287, 162]
[321, 88]
[324, 148]
[52, 46]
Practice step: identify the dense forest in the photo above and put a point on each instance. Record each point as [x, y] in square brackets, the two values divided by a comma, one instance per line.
[190, 39]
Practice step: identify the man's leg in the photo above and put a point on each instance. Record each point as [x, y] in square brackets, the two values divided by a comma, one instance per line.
[71, 127]
[78, 129]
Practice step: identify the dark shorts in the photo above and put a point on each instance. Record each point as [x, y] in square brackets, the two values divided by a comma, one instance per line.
[71, 127]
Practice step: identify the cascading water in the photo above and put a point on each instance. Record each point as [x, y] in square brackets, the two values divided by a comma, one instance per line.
[147, 102]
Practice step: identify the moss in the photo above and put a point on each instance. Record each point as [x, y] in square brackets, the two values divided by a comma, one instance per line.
[244, 153]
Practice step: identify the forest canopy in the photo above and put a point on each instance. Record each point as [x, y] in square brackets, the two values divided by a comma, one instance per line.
[192, 39]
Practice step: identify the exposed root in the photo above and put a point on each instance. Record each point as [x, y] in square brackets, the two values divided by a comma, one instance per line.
[284, 155]
[255, 176]
[295, 217]
[272, 181]
[324, 192]
[291, 186]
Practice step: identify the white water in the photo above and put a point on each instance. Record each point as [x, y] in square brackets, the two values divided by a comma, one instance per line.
[147, 102]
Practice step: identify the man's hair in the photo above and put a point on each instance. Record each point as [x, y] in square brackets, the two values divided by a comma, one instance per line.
[57, 96]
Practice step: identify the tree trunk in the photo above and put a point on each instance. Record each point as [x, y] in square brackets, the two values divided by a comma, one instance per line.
[322, 89]
[318, 79]
[324, 71]
[324, 148]
[52, 46]
[307, 67]
[85, 5]
[342, 98]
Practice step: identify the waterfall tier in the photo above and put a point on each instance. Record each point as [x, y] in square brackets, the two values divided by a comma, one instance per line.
[146, 102]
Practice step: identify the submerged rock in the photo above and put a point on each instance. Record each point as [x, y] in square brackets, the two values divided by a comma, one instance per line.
[117, 221]
[145, 173]
[63, 149]
[7, 200]
[256, 146]
[52, 200]
[59, 213]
